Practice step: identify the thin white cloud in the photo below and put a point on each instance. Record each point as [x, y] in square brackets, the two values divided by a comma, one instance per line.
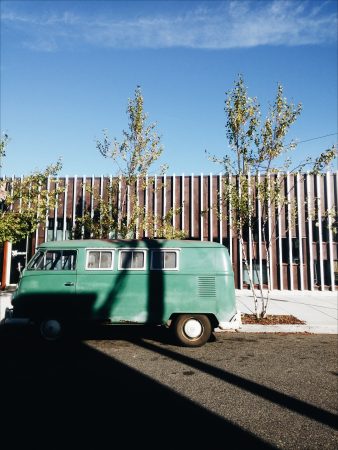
[235, 24]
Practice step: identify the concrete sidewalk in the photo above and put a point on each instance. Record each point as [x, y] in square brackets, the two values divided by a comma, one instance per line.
[5, 302]
[318, 309]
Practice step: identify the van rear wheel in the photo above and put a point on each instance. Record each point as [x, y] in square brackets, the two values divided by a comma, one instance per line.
[51, 329]
[192, 330]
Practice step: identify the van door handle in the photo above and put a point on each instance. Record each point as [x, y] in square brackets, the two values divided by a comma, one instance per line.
[69, 283]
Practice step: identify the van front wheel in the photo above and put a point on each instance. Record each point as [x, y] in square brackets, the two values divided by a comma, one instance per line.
[192, 330]
[51, 329]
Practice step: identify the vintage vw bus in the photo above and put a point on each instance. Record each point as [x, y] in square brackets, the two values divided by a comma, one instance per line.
[185, 285]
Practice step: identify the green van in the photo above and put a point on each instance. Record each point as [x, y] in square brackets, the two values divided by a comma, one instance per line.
[185, 285]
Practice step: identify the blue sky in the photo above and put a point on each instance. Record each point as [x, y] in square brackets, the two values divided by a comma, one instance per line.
[68, 69]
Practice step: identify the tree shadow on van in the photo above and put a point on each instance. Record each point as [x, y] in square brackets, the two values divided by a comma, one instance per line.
[156, 290]
[149, 298]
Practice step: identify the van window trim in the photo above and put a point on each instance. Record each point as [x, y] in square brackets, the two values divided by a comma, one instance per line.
[130, 249]
[163, 250]
[99, 249]
[34, 258]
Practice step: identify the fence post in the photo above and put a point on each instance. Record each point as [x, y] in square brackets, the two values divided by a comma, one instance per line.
[6, 268]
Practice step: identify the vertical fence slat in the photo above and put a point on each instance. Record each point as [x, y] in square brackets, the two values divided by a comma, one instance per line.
[320, 231]
[192, 206]
[20, 199]
[220, 209]
[211, 231]
[174, 199]
[12, 190]
[84, 181]
[92, 187]
[128, 205]
[289, 228]
[119, 200]
[310, 207]
[56, 211]
[259, 213]
[65, 196]
[300, 234]
[37, 230]
[146, 206]
[46, 220]
[164, 211]
[230, 225]
[240, 247]
[101, 187]
[74, 202]
[100, 200]
[155, 205]
[182, 199]
[329, 206]
[137, 206]
[280, 254]
[270, 246]
[201, 208]
[27, 237]
[92, 197]
[250, 229]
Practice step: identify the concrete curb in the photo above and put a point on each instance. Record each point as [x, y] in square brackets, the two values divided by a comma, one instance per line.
[311, 329]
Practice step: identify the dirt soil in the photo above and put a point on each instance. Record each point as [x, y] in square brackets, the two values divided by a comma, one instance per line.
[271, 320]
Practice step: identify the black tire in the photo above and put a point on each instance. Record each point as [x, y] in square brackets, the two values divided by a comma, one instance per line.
[192, 330]
[51, 329]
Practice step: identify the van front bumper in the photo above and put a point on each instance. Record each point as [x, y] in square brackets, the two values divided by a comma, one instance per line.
[10, 320]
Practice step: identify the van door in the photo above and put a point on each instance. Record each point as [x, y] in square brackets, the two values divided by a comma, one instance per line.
[50, 282]
[59, 268]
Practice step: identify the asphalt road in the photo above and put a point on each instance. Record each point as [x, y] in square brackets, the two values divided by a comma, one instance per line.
[122, 388]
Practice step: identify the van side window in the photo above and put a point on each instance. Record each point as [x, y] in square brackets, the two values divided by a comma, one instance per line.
[99, 259]
[68, 260]
[164, 260]
[36, 261]
[132, 259]
[54, 260]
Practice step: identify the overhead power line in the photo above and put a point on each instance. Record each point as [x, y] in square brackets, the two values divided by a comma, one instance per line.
[318, 137]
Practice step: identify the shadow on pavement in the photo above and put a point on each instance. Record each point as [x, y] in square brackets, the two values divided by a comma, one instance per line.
[279, 398]
[68, 394]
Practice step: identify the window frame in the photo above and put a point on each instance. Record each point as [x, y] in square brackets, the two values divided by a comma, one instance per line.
[143, 250]
[100, 249]
[52, 250]
[34, 259]
[164, 250]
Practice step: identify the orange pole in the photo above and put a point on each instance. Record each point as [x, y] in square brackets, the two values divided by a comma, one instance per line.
[5, 265]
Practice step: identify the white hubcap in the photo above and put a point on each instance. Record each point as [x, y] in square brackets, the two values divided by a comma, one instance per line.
[193, 328]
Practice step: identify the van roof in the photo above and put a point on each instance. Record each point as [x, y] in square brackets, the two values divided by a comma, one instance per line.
[132, 243]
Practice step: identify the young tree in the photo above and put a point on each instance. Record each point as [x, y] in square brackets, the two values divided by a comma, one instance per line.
[118, 212]
[141, 146]
[259, 147]
[25, 202]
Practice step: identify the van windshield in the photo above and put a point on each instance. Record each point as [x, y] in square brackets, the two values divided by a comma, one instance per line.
[53, 260]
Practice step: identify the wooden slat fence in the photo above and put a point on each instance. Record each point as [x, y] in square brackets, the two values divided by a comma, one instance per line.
[304, 240]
